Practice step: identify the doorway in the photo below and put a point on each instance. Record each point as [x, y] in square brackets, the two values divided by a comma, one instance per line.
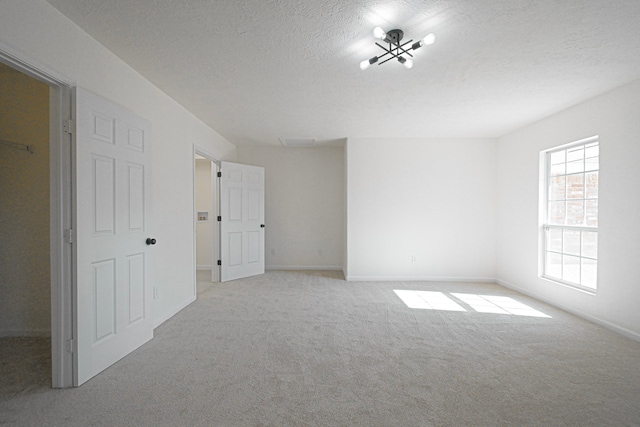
[35, 211]
[25, 282]
[206, 225]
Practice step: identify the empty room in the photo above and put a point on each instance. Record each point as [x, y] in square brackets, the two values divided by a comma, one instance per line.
[302, 213]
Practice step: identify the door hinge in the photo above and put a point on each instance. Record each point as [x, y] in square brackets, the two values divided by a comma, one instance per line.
[69, 236]
[219, 218]
[69, 126]
[219, 262]
[219, 174]
[70, 346]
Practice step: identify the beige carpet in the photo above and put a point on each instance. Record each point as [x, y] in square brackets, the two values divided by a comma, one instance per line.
[309, 349]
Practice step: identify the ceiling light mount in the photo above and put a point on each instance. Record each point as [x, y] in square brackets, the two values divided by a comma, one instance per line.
[394, 36]
[395, 50]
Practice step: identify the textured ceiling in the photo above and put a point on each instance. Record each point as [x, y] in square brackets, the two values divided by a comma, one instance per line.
[258, 70]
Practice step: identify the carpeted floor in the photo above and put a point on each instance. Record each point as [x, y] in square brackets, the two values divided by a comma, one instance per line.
[309, 349]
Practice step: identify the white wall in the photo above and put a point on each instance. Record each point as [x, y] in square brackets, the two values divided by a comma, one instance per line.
[614, 117]
[47, 39]
[25, 280]
[304, 205]
[204, 203]
[429, 198]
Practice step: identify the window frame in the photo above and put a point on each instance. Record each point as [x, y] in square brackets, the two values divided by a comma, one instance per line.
[546, 224]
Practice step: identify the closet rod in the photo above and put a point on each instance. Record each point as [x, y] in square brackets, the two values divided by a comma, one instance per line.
[18, 146]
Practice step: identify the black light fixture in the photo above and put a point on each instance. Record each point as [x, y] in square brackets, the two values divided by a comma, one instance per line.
[395, 49]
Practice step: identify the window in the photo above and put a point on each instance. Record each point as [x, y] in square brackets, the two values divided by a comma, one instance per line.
[570, 225]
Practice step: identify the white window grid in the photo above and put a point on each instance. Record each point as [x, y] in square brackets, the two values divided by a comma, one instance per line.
[571, 214]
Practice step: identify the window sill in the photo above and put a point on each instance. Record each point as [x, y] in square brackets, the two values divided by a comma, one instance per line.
[574, 286]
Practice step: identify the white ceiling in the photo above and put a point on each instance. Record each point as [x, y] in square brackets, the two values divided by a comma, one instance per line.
[258, 70]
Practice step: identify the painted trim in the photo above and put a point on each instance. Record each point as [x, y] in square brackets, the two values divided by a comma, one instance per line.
[420, 279]
[304, 267]
[605, 324]
[161, 320]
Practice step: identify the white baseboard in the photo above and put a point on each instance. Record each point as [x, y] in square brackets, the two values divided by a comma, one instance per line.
[604, 323]
[420, 279]
[20, 333]
[160, 321]
[304, 267]
[203, 267]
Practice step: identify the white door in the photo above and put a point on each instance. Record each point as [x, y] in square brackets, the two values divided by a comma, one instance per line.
[113, 304]
[242, 222]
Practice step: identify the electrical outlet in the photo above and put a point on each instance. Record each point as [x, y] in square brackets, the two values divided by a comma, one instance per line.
[413, 259]
[273, 251]
[155, 293]
[319, 252]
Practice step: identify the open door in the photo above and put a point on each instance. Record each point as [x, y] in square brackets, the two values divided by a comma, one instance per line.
[113, 291]
[242, 221]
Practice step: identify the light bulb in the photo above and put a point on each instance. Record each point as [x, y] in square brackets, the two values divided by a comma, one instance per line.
[379, 33]
[408, 64]
[429, 39]
[367, 62]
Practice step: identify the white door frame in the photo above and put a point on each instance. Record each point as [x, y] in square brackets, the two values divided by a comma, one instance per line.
[215, 238]
[61, 209]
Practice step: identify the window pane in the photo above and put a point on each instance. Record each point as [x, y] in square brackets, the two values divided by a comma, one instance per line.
[592, 213]
[589, 273]
[571, 242]
[557, 169]
[575, 212]
[557, 188]
[554, 239]
[575, 154]
[590, 244]
[557, 157]
[592, 150]
[556, 213]
[575, 186]
[591, 182]
[571, 268]
[592, 164]
[575, 167]
[553, 265]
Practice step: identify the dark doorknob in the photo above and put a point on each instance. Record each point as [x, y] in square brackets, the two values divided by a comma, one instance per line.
[151, 241]
[261, 225]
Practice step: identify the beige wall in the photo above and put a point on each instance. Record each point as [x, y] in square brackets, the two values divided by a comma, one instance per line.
[304, 205]
[24, 206]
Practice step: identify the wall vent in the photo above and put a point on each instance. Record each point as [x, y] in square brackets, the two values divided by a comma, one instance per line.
[298, 142]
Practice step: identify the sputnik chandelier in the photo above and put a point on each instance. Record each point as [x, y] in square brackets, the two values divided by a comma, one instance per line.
[395, 49]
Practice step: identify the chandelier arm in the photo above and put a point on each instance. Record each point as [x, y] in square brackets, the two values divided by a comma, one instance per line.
[384, 48]
[387, 52]
[400, 47]
[388, 59]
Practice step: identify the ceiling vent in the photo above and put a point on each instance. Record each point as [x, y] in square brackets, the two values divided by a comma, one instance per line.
[298, 142]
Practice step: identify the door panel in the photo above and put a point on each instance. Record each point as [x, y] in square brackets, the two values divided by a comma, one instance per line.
[241, 228]
[113, 312]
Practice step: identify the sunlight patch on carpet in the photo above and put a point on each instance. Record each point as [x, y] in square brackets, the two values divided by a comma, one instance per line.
[428, 300]
[492, 304]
